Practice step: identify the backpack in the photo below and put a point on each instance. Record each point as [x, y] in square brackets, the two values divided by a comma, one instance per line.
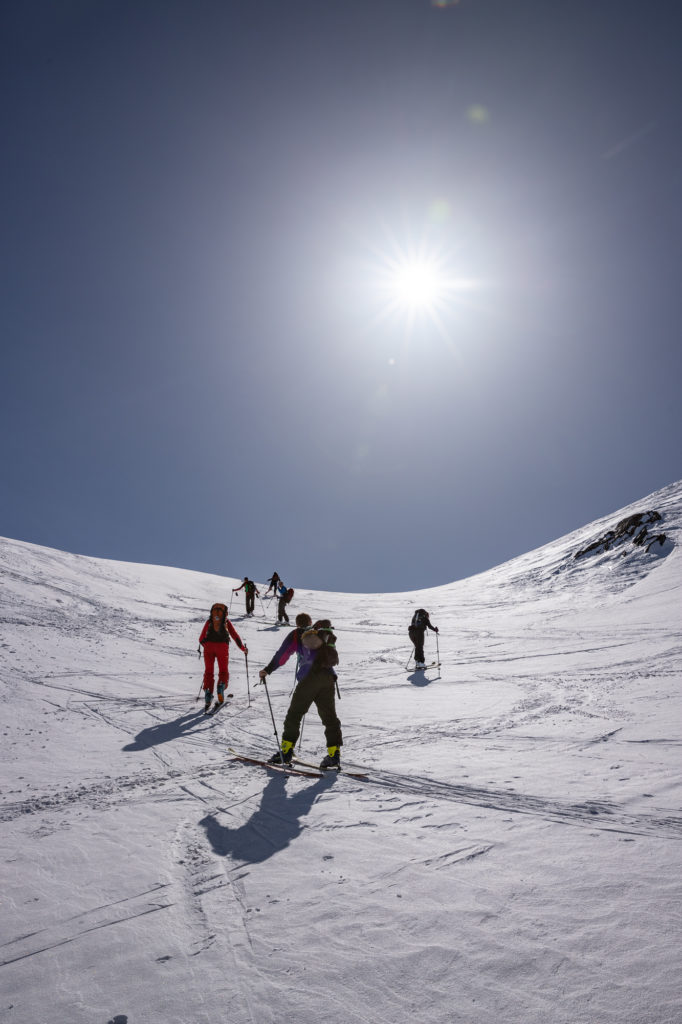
[321, 639]
[289, 594]
[419, 619]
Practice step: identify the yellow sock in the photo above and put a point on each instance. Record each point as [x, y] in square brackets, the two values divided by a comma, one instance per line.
[286, 746]
[332, 750]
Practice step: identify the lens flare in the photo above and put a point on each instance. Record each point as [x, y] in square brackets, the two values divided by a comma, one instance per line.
[478, 114]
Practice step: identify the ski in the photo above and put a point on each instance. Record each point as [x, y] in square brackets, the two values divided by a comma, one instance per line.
[433, 664]
[217, 706]
[341, 771]
[287, 769]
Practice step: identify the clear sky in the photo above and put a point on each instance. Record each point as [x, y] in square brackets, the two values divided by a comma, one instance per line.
[376, 293]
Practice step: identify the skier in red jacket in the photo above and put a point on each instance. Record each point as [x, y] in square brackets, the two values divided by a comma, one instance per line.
[215, 639]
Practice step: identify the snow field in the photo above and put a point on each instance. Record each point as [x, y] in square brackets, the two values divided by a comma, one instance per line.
[513, 855]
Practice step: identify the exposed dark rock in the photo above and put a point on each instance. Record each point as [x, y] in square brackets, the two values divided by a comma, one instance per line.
[634, 528]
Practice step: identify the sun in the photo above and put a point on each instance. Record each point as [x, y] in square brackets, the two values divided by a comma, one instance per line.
[417, 284]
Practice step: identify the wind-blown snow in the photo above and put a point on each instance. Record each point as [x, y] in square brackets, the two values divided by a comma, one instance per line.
[513, 855]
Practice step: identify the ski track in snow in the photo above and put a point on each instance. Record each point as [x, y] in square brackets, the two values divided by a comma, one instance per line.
[127, 908]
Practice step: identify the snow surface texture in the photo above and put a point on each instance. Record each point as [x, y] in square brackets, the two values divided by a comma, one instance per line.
[513, 856]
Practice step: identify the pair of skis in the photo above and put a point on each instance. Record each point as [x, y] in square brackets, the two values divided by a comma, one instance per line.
[297, 767]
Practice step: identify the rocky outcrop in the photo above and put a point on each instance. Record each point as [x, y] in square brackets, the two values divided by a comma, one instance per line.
[635, 530]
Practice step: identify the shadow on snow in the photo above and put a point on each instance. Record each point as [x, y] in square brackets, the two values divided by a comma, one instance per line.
[164, 732]
[418, 679]
[272, 827]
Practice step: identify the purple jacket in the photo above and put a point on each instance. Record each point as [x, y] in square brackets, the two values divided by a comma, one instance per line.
[292, 645]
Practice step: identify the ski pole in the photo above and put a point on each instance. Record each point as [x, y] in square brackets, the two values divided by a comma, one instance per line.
[201, 684]
[248, 688]
[271, 714]
[437, 650]
[298, 659]
[410, 657]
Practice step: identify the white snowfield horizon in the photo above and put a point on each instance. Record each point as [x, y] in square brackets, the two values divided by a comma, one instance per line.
[514, 854]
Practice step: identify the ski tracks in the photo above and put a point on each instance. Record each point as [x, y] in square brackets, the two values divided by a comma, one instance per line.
[216, 907]
[128, 908]
[600, 814]
[592, 813]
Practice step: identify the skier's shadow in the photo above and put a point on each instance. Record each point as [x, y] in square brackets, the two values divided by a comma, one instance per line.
[164, 732]
[421, 679]
[272, 827]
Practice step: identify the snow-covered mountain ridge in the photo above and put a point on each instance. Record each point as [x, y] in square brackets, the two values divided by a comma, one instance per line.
[514, 853]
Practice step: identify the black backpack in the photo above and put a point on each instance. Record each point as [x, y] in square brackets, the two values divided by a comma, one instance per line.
[419, 619]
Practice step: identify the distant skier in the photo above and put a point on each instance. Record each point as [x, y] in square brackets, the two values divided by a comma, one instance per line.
[272, 584]
[250, 593]
[417, 631]
[215, 639]
[285, 597]
[315, 648]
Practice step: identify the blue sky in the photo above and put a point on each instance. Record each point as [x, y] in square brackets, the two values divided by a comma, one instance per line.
[201, 204]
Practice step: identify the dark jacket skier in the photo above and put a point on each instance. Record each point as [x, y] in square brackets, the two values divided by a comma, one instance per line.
[284, 596]
[417, 631]
[315, 648]
[272, 583]
[250, 593]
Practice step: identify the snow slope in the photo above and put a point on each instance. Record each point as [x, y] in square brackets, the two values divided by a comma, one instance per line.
[513, 856]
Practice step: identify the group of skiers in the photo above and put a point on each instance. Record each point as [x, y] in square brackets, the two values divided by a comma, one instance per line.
[280, 591]
[316, 681]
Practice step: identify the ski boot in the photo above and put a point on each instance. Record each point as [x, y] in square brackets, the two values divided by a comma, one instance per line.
[280, 757]
[332, 759]
[284, 755]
